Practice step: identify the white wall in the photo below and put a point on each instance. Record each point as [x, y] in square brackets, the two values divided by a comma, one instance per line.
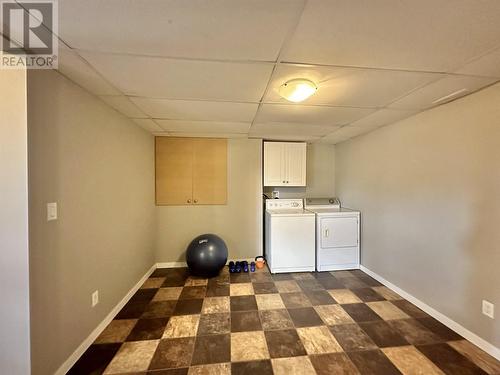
[14, 269]
[239, 222]
[428, 188]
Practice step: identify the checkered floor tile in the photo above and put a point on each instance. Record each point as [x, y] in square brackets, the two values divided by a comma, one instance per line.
[341, 322]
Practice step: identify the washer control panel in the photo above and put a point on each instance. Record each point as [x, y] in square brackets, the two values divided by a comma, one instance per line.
[284, 204]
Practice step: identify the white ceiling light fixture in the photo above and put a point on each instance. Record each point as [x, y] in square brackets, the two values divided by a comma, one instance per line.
[297, 90]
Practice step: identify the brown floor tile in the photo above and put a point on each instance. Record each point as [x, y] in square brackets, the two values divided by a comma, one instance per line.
[282, 276]
[167, 294]
[212, 349]
[212, 369]
[148, 329]
[173, 353]
[410, 361]
[143, 295]
[353, 283]
[357, 273]
[132, 310]
[275, 319]
[305, 317]
[132, 356]
[171, 371]
[287, 286]
[312, 284]
[373, 362]
[410, 309]
[269, 302]
[284, 343]
[303, 275]
[387, 293]
[414, 332]
[352, 338]
[344, 296]
[116, 331]
[193, 292]
[387, 310]
[212, 305]
[95, 359]
[319, 297]
[264, 288]
[160, 309]
[370, 281]
[383, 334]
[449, 360]
[188, 306]
[295, 300]
[341, 274]
[439, 329]
[214, 324]
[182, 326]
[174, 281]
[170, 272]
[330, 283]
[242, 321]
[333, 363]
[360, 312]
[196, 281]
[217, 289]
[153, 283]
[243, 303]
[261, 277]
[248, 346]
[318, 340]
[236, 278]
[292, 366]
[482, 359]
[333, 314]
[241, 289]
[262, 367]
[367, 295]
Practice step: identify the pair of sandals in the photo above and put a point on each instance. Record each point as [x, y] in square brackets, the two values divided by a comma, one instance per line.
[240, 266]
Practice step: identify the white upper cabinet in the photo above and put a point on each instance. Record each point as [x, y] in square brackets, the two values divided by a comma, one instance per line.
[284, 164]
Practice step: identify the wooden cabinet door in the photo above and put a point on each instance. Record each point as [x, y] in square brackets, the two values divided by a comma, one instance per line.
[174, 171]
[295, 164]
[274, 164]
[209, 171]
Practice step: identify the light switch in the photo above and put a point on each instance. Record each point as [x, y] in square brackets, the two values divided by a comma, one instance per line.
[51, 211]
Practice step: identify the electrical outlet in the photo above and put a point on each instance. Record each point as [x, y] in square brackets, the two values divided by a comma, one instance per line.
[51, 211]
[488, 309]
[95, 298]
[276, 194]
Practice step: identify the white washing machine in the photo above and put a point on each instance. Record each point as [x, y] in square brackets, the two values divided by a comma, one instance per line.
[289, 236]
[337, 234]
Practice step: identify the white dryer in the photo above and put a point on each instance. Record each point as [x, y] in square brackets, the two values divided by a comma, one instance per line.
[289, 236]
[337, 234]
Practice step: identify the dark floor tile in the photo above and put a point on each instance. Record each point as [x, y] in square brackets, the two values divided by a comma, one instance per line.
[264, 288]
[353, 282]
[275, 319]
[172, 371]
[368, 280]
[319, 297]
[159, 309]
[95, 360]
[261, 277]
[193, 292]
[132, 310]
[188, 306]
[163, 272]
[173, 353]
[305, 317]
[414, 332]
[242, 321]
[143, 295]
[235, 278]
[252, 368]
[373, 362]
[217, 289]
[295, 300]
[174, 281]
[282, 276]
[439, 329]
[357, 273]
[330, 282]
[410, 309]
[383, 334]
[368, 295]
[175, 277]
[284, 343]
[449, 360]
[148, 329]
[243, 303]
[360, 312]
[212, 349]
[333, 363]
[311, 284]
[214, 324]
[352, 338]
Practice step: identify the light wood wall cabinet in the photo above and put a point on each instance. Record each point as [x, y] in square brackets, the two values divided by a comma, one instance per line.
[284, 164]
[191, 171]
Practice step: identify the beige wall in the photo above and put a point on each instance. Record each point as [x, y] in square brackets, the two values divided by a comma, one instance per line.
[239, 222]
[428, 189]
[320, 174]
[14, 270]
[99, 168]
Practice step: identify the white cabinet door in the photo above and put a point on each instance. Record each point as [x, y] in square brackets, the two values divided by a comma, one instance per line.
[295, 160]
[339, 232]
[274, 164]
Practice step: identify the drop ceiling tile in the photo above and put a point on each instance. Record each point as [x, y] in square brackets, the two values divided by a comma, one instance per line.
[431, 95]
[292, 129]
[350, 86]
[382, 117]
[209, 135]
[204, 126]
[123, 105]
[196, 110]
[215, 29]
[425, 35]
[182, 79]
[306, 114]
[344, 133]
[286, 137]
[148, 124]
[79, 71]
[487, 65]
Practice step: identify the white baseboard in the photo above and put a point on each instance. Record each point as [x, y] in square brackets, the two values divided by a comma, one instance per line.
[472, 337]
[66, 366]
[171, 264]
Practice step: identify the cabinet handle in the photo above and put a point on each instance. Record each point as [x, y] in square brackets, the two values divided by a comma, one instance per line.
[189, 200]
[288, 182]
[196, 201]
[284, 181]
[327, 232]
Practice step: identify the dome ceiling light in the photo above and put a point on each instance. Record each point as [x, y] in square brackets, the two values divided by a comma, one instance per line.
[297, 90]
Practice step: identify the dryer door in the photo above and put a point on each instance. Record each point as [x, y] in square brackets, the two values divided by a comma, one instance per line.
[339, 232]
